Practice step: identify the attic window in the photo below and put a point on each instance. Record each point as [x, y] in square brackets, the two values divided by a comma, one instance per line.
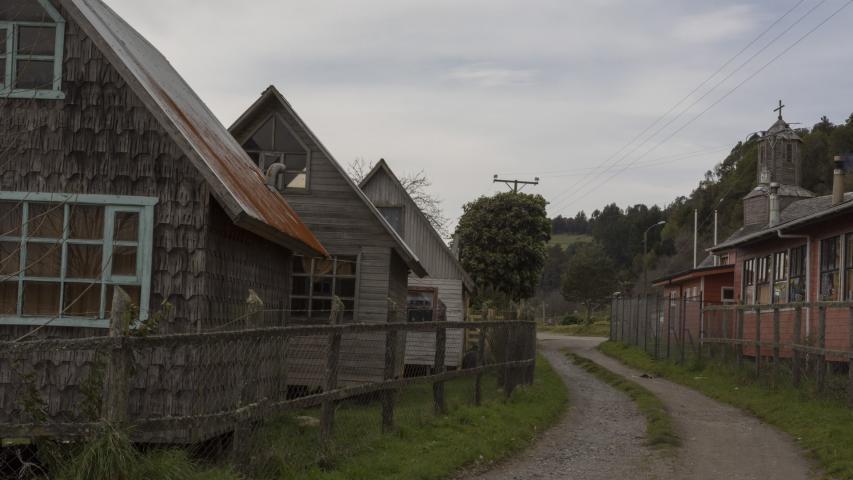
[31, 45]
[274, 142]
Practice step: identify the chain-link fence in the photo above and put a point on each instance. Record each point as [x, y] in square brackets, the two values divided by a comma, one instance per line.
[258, 402]
[806, 345]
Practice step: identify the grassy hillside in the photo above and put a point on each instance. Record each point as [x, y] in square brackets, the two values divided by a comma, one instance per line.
[566, 239]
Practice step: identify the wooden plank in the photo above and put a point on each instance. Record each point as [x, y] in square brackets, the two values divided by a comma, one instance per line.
[438, 387]
[388, 396]
[821, 342]
[850, 356]
[116, 387]
[796, 338]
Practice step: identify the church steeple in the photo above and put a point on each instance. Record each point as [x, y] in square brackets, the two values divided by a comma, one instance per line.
[779, 154]
[780, 166]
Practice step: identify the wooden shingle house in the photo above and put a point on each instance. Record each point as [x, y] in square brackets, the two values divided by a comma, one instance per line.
[369, 264]
[444, 293]
[114, 172]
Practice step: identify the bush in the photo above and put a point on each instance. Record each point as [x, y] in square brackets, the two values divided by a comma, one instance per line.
[570, 319]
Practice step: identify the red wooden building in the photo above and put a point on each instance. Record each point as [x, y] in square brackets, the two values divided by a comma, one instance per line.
[793, 247]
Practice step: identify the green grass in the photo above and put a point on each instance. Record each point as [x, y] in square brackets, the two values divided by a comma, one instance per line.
[595, 329]
[423, 446]
[659, 430]
[821, 425]
[566, 239]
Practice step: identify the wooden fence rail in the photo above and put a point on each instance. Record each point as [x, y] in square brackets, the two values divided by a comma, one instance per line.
[724, 325]
[254, 402]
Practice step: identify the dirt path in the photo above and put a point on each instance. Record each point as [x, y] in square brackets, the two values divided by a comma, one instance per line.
[719, 441]
[601, 436]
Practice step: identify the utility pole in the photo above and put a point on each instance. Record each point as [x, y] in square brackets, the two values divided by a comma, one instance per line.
[695, 236]
[513, 184]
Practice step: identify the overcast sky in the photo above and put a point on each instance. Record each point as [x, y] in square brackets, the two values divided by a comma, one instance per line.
[467, 89]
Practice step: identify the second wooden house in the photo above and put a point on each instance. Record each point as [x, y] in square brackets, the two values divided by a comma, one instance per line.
[444, 293]
[369, 264]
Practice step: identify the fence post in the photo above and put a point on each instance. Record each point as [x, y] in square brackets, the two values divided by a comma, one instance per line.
[669, 327]
[683, 329]
[117, 377]
[388, 396]
[646, 323]
[612, 319]
[796, 340]
[777, 340]
[481, 361]
[739, 335]
[821, 341]
[508, 380]
[330, 380]
[657, 326]
[438, 387]
[622, 319]
[757, 341]
[701, 324]
[726, 316]
[850, 356]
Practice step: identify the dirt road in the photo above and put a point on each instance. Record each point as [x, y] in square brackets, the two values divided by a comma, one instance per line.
[601, 435]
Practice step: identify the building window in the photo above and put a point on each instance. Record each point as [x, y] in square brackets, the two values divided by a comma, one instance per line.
[727, 294]
[762, 288]
[31, 46]
[316, 281]
[62, 255]
[421, 305]
[749, 281]
[274, 142]
[394, 216]
[780, 277]
[797, 275]
[830, 260]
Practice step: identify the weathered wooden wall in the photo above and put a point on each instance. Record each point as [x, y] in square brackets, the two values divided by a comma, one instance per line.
[420, 346]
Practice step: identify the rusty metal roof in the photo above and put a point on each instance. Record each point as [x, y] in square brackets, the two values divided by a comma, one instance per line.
[235, 181]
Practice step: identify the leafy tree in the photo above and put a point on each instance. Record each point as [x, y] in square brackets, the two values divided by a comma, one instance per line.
[502, 243]
[590, 277]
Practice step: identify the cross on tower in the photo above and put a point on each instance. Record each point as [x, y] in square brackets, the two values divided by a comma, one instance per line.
[779, 109]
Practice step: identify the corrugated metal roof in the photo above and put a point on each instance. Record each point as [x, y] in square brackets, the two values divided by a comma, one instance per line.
[798, 213]
[236, 182]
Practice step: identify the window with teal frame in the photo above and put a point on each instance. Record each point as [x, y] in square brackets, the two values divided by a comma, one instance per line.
[62, 255]
[32, 37]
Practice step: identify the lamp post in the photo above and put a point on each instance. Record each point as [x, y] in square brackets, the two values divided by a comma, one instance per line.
[645, 251]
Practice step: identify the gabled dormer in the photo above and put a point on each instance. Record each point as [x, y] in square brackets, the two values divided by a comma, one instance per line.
[32, 34]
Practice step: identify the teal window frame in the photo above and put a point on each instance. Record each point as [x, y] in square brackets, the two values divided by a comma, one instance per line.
[112, 204]
[11, 56]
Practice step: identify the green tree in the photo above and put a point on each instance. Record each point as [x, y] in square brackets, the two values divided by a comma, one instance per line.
[502, 244]
[590, 277]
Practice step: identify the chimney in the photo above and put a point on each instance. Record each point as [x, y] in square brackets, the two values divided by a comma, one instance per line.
[838, 181]
[774, 205]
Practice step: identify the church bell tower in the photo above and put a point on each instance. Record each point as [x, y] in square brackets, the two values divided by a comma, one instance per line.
[780, 165]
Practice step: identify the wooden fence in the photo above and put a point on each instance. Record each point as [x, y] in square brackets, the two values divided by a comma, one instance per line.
[808, 337]
[186, 388]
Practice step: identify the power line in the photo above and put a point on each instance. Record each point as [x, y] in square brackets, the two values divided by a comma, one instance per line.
[728, 93]
[573, 191]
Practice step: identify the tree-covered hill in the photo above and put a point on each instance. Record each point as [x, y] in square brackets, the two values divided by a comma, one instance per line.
[620, 230]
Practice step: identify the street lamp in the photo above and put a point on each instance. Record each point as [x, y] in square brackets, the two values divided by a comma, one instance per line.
[645, 249]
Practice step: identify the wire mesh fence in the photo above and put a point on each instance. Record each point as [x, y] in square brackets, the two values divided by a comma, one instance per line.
[807, 345]
[256, 401]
